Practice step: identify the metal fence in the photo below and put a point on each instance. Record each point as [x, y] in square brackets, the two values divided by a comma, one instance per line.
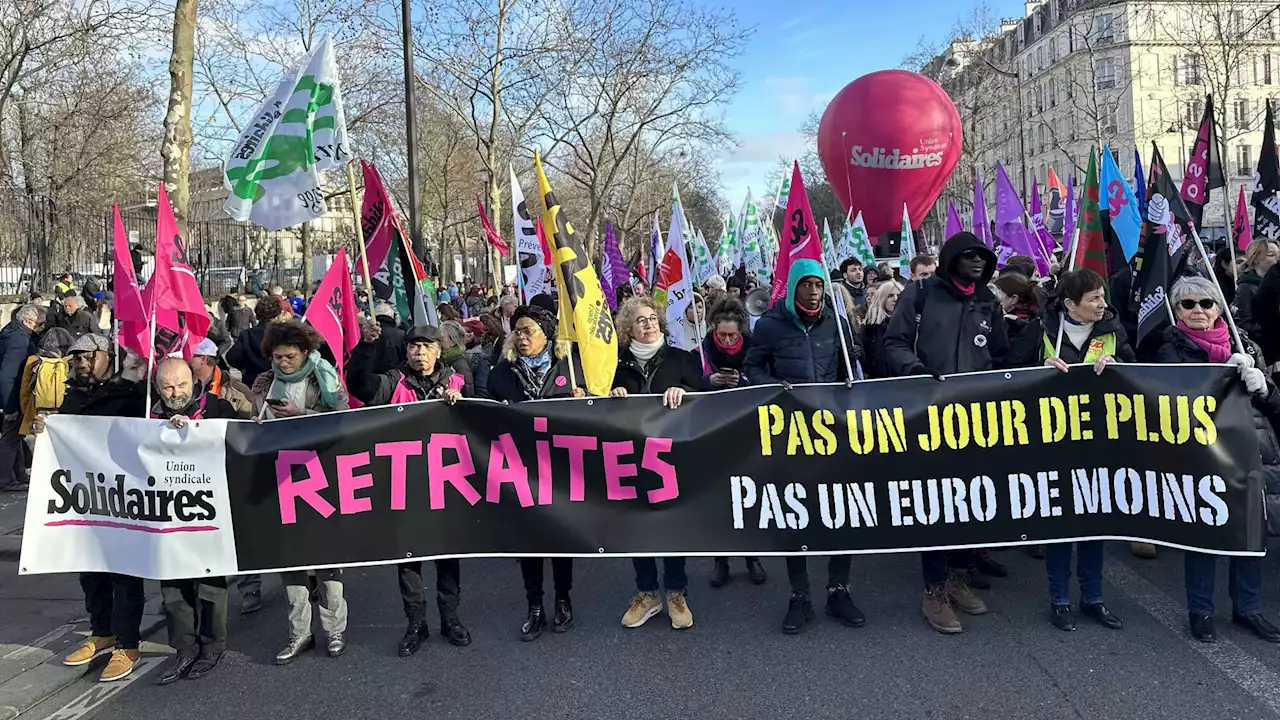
[39, 241]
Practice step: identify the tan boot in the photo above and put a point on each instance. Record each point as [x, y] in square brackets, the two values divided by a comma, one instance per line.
[120, 666]
[937, 610]
[643, 606]
[1146, 551]
[958, 590]
[93, 647]
[678, 609]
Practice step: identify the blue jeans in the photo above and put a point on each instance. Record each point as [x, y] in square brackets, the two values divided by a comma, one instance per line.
[1244, 578]
[673, 575]
[1057, 562]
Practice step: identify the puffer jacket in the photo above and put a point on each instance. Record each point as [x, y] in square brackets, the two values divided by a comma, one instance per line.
[1029, 350]
[936, 328]
[784, 349]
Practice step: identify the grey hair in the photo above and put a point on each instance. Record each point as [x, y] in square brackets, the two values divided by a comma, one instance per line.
[28, 312]
[508, 300]
[1196, 285]
[452, 329]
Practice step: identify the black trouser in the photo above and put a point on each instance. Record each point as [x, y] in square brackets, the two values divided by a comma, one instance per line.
[196, 613]
[412, 592]
[798, 571]
[115, 605]
[531, 569]
[937, 564]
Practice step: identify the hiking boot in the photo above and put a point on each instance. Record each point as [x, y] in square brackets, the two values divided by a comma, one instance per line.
[1146, 551]
[799, 612]
[755, 571]
[937, 610]
[296, 647]
[678, 610]
[120, 666]
[94, 646]
[840, 606]
[960, 594]
[643, 606]
[720, 575]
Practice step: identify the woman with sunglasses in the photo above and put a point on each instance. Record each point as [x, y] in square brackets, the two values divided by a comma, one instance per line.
[1078, 328]
[1201, 335]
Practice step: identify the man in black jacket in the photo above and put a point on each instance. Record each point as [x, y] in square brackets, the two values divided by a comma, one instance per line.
[17, 343]
[945, 324]
[389, 348]
[798, 341]
[77, 317]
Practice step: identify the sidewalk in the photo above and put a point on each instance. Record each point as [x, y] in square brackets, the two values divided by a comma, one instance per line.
[42, 619]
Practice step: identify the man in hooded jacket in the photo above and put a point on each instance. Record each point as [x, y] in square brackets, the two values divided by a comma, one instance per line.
[798, 341]
[945, 324]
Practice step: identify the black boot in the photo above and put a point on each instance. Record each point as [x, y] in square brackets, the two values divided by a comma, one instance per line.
[799, 612]
[533, 625]
[988, 565]
[840, 606]
[413, 637]
[756, 571]
[1060, 617]
[454, 631]
[563, 619]
[1101, 615]
[720, 575]
[1202, 627]
[1259, 625]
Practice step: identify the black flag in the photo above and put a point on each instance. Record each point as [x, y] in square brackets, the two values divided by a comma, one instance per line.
[1266, 185]
[1166, 230]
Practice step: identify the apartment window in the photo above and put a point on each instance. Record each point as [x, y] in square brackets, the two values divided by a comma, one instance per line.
[1039, 98]
[1191, 67]
[1044, 138]
[1041, 55]
[1107, 119]
[1071, 40]
[1104, 74]
[1194, 113]
[1267, 27]
[1244, 161]
[1106, 28]
[1053, 92]
[1235, 22]
[1265, 76]
[1240, 114]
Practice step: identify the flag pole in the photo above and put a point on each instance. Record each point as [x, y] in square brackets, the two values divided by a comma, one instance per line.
[151, 355]
[355, 215]
[1226, 311]
[1071, 265]
[115, 339]
[1231, 241]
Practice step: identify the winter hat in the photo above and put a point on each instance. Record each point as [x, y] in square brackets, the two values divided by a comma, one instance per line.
[545, 320]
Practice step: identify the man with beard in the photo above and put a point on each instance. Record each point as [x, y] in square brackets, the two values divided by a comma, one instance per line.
[421, 377]
[949, 323]
[195, 610]
[114, 602]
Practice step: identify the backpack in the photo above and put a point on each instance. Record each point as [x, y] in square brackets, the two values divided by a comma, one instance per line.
[49, 383]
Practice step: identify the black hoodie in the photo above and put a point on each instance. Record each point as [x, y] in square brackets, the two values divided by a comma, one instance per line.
[938, 328]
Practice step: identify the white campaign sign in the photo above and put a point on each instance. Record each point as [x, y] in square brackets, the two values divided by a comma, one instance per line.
[154, 505]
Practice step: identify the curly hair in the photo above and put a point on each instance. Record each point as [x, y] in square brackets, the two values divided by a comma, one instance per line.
[269, 308]
[291, 332]
[729, 309]
[627, 316]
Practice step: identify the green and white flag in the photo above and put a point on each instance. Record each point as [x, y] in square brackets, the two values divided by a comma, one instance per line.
[784, 191]
[857, 243]
[907, 248]
[828, 247]
[727, 256]
[752, 237]
[703, 266]
[273, 171]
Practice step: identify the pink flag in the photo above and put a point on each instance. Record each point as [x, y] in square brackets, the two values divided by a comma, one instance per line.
[953, 221]
[333, 313]
[490, 234]
[800, 237]
[172, 296]
[1240, 226]
[127, 307]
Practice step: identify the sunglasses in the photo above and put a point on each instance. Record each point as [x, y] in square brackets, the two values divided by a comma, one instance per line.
[971, 254]
[1205, 303]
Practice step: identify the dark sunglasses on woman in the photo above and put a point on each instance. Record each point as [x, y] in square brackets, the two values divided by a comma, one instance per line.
[1189, 304]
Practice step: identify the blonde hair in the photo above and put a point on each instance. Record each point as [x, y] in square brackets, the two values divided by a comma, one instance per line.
[627, 317]
[1256, 252]
[877, 310]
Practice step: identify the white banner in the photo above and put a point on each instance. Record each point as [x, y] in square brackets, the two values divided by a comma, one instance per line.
[135, 497]
[534, 273]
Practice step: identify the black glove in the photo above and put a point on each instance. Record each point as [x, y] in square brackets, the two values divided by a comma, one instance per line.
[921, 369]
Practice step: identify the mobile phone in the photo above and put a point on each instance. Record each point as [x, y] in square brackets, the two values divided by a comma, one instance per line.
[276, 402]
[728, 371]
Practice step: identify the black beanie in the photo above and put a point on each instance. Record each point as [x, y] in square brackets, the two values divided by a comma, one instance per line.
[545, 320]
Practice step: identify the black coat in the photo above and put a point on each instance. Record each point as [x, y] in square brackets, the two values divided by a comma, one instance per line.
[1242, 305]
[215, 408]
[718, 360]
[873, 350]
[376, 388]
[1266, 314]
[113, 398]
[670, 367]
[1029, 351]
[246, 354]
[505, 386]
[784, 350]
[936, 328]
[80, 323]
[16, 345]
[389, 348]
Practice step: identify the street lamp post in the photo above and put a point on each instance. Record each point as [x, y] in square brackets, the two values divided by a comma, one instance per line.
[1022, 131]
[411, 138]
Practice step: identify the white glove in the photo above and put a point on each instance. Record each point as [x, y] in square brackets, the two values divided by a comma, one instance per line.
[1254, 379]
[1241, 360]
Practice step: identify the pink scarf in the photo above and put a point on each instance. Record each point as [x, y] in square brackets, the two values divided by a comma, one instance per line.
[1215, 341]
[729, 350]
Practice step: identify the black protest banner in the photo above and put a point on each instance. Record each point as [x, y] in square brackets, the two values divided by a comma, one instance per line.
[1165, 454]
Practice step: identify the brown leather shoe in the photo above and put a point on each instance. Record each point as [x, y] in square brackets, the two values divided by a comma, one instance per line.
[937, 610]
[1146, 551]
[961, 596]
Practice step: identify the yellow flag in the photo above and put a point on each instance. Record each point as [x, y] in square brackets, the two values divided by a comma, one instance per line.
[582, 301]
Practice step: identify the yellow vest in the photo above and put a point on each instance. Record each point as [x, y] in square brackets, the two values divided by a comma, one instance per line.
[1099, 346]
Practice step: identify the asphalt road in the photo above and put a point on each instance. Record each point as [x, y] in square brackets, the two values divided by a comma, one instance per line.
[735, 662]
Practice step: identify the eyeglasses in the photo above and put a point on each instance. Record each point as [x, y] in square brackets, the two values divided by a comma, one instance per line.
[527, 332]
[647, 320]
[1204, 303]
[285, 357]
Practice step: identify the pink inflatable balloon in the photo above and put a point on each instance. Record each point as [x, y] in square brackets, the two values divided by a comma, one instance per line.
[895, 137]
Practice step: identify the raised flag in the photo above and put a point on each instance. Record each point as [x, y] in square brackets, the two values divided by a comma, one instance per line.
[581, 296]
[1040, 231]
[727, 256]
[1204, 166]
[981, 225]
[799, 235]
[656, 249]
[1167, 226]
[954, 225]
[1069, 215]
[784, 193]
[332, 311]
[533, 258]
[273, 171]
[751, 240]
[1120, 204]
[860, 241]
[490, 234]
[1011, 230]
[396, 274]
[1089, 249]
[676, 283]
[907, 246]
[1057, 196]
[128, 310]
[829, 246]
[635, 265]
[1266, 185]
[1139, 183]
[704, 265]
[1239, 226]
[613, 269]
[172, 300]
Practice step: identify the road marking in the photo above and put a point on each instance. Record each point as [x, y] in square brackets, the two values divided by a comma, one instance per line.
[1242, 668]
[39, 643]
[101, 692]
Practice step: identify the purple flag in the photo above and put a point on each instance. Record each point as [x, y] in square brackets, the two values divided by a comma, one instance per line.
[656, 250]
[981, 226]
[1069, 214]
[613, 268]
[1042, 233]
[953, 221]
[1009, 226]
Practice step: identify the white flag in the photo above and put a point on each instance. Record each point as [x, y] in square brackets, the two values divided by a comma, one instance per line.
[752, 241]
[859, 245]
[907, 248]
[534, 275]
[681, 331]
[273, 171]
[704, 266]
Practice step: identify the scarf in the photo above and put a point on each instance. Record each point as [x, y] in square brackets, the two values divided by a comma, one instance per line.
[1077, 332]
[644, 352]
[449, 356]
[731, 350]
[215, 382]
[965, 289]
[316, 367]
[532, 372]
[1216, 341]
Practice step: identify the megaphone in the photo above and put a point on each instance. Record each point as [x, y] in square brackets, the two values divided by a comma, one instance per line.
[758, 302]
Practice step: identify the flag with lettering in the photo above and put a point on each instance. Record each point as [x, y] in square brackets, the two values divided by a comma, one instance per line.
[954, 225]
[581, 297]
[751, 240]
[859, 241]
[1120, 204]
[1057, 196]
[675, 286]
[396, 273]
[332, 311]
[799, 235]
[907, 246]
[981, 225]
[172, 297]
[1010, 228]
[534, 260]
[613, 268]
[1240, 226]
[1204, 166]
[273, 171]
[127, 307]
[704, 266]
[829, 246]
[1040, 231]
[1166, 229]
[1089, 249]
[727, 259]
[1266, 184]
[490, 233]
[784, 193]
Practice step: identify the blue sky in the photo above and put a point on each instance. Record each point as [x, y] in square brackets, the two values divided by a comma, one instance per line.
[802, 54]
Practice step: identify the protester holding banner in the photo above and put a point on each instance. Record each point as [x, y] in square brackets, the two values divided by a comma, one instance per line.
[647, 364]
[422, 377]
[949, 323]
[535, 365]
[453, 349]
[798, 341]
[881, 302]
[1258, 259]
[1202, 336]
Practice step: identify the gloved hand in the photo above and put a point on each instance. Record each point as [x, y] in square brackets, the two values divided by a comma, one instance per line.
[921, 369]
[1241, 360]
[1254, 379]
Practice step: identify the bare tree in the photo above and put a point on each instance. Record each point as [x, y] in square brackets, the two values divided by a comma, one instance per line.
[176, 148]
